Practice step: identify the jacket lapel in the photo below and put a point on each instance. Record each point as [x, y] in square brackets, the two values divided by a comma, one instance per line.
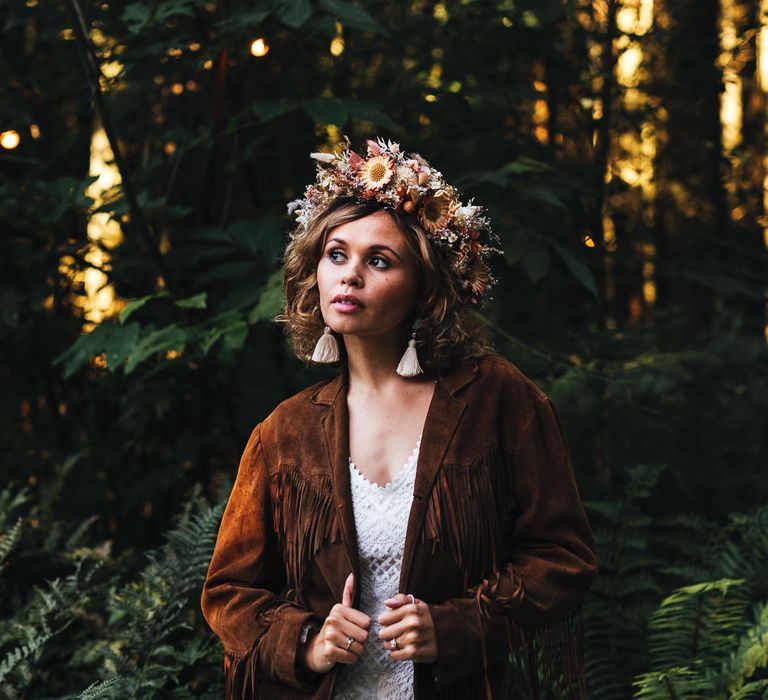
[336, 431]
[443, 416]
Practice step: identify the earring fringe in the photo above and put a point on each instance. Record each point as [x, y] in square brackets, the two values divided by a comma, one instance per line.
[409, 363]
[327, 349]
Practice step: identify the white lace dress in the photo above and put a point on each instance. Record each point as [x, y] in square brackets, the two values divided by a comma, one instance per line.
[381, 518]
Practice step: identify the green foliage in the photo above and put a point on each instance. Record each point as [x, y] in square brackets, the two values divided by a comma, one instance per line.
[706, 640]
[135, 631]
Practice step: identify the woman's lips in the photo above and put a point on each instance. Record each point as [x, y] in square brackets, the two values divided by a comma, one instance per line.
[346, 303]
[346, 307]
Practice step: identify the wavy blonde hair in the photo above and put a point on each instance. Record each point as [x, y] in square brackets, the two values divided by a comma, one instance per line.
[450, 331]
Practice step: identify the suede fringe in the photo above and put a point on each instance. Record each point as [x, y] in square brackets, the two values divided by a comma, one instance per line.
[548, 661]
[465, 513]
[240, 679]
[465, 510]
[304, 518]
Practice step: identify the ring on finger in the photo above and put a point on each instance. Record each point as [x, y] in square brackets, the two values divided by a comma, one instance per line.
[349, 643]
[413, 600]
[393, 644]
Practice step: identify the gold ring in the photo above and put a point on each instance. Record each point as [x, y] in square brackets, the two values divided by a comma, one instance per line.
[349, 643]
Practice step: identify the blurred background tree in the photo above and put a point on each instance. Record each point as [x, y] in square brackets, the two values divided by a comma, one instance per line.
[147, 150]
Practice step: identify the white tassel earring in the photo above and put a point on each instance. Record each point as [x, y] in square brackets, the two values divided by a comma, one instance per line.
[327, 349]
[409, 363]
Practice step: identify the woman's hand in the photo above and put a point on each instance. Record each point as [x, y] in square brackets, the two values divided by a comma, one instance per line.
[410, 624]
[331, 644]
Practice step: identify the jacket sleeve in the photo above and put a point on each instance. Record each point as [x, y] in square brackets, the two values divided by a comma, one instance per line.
[530, 606]
[258, 628]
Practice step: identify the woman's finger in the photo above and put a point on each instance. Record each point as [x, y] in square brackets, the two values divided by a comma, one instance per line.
[390, 617]
[356, 617]
[349, 585]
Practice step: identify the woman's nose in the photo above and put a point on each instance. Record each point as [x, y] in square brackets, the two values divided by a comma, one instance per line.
[350, 276]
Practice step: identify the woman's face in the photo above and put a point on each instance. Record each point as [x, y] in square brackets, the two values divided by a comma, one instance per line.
[367, 277]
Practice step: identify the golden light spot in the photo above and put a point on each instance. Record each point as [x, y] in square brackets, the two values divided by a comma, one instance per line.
[62, 408]
[259, 47]
[507, 22]
[628, 65]
[97, 36]
[111, 69]
[440, 13]
[67, 34]
[588, 241]
[32, 479]
[174, 52]
[34, 522]
[541, 133]
[177, 88]
[172, 354]
[169, 148]
[762, 57]
[337, 46]
[9, 139]
[158, 79]
[191, 85]
[31, 3]
[194, 46]
[455, 86]
[34, 131]
[731, 115]
[424, 120]
[208, 64]
[429, 97]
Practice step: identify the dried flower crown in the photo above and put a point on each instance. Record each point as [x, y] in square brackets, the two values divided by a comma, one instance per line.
[408, 184]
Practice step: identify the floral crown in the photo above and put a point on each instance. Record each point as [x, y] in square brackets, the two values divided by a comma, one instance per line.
[408, 184]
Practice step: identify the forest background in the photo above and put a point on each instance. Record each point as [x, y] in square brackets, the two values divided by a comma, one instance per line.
[147, 150]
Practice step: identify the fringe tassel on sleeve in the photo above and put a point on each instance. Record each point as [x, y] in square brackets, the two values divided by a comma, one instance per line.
[240, 679]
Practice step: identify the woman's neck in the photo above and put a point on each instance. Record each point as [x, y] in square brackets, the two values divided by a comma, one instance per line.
[371, 362]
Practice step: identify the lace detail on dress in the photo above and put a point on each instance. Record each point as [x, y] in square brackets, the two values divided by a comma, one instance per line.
[381, 519]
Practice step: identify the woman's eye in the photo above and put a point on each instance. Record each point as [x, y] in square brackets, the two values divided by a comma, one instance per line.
[378, 261]
[335, 255]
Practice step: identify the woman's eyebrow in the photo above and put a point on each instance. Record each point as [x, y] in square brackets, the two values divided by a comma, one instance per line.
[375, 246]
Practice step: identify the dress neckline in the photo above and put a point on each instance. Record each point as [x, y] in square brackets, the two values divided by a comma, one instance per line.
[397, 478]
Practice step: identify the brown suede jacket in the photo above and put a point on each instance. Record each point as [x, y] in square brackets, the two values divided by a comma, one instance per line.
[498, 543]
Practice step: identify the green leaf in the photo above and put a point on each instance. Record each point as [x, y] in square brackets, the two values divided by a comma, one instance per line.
[115, 341]
[524, 164]
[370, 112]
[326, 110]
[195, 302]
[163, 340]
[515, 247]
[137, 304]
[536, 260]
[271, 300]
[353, 16]
[265, 111]
[295, 12]
[577, 267]
[136, 16]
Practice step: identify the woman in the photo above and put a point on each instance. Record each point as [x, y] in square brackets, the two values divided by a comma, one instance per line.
[403, 529]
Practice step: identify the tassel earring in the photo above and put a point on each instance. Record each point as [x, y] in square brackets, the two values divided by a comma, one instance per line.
[327, 349]
[409, 363]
